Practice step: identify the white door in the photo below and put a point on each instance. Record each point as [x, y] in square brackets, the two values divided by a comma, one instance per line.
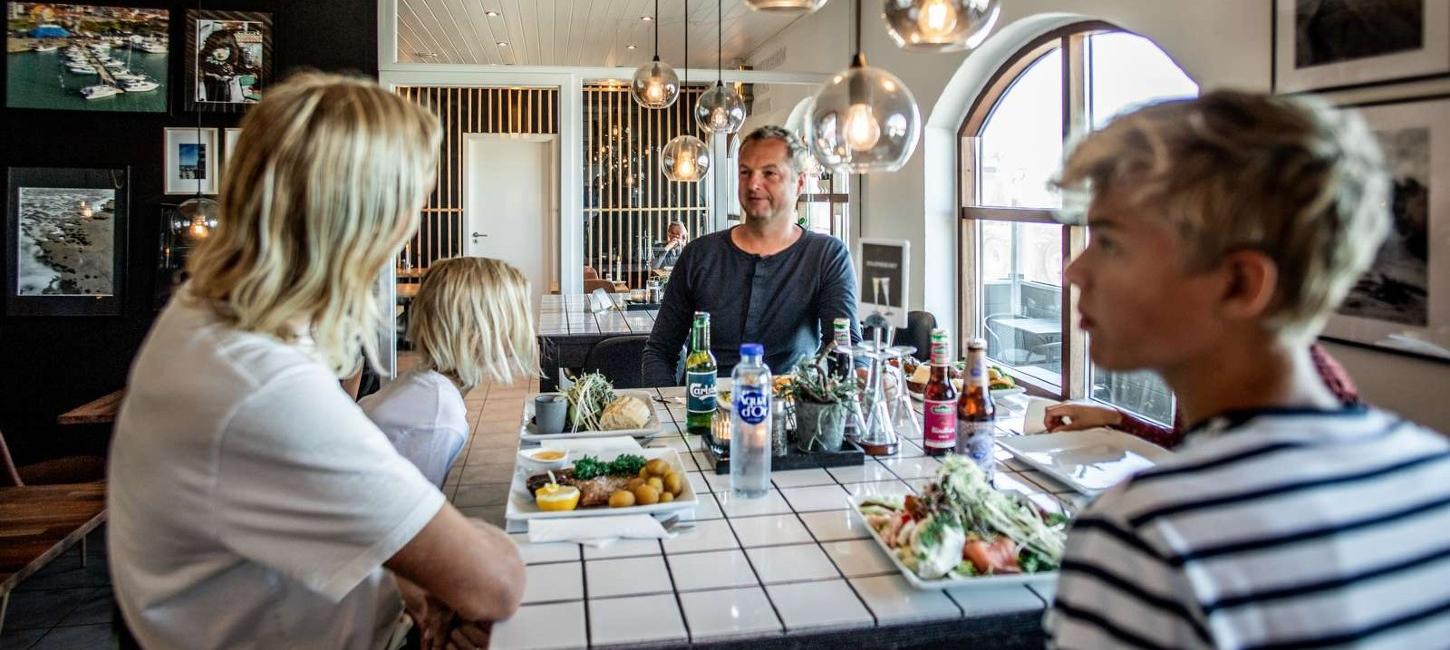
[508, 205]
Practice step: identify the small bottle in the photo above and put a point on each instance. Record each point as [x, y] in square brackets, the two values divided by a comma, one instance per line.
[976, 426]
[841, 363]
[750, 423]
[700, 374]
[939, 416]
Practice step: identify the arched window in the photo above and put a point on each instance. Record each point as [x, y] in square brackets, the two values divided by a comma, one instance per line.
[1013, 250]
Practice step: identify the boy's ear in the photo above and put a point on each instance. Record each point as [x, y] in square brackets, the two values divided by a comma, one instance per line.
[1253, 279]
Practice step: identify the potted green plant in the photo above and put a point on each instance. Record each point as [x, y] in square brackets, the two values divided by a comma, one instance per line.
[822, 403]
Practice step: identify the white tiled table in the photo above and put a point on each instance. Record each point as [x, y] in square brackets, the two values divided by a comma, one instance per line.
[568, 330]
[795, 567]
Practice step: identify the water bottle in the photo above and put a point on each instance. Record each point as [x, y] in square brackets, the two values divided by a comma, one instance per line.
[750, 424]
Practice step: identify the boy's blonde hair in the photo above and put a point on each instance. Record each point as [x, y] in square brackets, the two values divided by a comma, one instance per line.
[1289, 177]
[471, 321]
[319, 195]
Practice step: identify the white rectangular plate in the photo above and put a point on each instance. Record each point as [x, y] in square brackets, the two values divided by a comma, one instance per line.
[1045, 579]
[1089, 461]
[521, 504]
[650, 429]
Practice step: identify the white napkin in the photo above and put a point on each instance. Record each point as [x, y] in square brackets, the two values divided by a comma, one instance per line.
[597, 532]
[622, 444]
[1035, 420]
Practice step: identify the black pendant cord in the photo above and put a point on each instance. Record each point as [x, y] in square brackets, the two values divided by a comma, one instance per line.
[657, 30]
[687, 46]
[209, 154]
[719, 42]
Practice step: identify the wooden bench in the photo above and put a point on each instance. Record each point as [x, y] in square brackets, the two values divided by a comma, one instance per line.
[40, 522]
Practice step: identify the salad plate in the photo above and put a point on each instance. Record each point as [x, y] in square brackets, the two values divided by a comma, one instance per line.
[522, 505]
[1088, 461]
[651, 428]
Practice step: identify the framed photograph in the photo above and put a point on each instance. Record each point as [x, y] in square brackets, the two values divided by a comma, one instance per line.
[1403, 302]
[191, 160]
[881, 297]
[1322, 44]
[67, 229]
[86, 57]
[228, 59]
[229, 144]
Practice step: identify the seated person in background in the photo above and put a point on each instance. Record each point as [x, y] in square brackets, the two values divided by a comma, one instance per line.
[765, 281]
[1225, 230]
[251, 503]
[470, 322]
[1078, 416]
[677, 237]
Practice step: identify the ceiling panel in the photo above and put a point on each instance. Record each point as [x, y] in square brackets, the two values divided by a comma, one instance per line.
[576, 32]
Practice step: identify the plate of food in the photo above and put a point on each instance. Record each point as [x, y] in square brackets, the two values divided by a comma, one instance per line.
[1089, 461]
[917, 374]
[621, 482]
[960, 531]
[596, 410]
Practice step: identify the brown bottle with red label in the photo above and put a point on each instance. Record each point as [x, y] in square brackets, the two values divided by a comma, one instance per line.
[976, 415]
[939, 421]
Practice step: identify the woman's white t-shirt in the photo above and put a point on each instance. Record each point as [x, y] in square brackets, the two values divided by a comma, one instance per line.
[251, 502]
[422, 413]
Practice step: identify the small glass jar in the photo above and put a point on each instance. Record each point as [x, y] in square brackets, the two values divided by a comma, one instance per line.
[779, 431]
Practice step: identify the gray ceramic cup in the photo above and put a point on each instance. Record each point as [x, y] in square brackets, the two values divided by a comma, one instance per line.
[549, 411]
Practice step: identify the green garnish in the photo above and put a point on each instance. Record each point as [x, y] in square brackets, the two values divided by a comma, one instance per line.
[589, 467]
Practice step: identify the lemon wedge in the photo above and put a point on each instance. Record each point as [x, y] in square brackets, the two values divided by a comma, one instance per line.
[554, 497]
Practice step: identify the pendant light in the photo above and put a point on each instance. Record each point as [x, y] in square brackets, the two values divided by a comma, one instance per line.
[720, 110]
[685, 158]
[864, 120]
[783, 6]
[199, 213]
[940, 25]
[655, 83]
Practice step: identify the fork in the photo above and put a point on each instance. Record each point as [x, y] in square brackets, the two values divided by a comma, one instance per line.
[672, 524]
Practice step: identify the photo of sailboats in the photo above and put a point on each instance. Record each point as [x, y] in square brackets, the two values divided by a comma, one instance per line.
[86, 57]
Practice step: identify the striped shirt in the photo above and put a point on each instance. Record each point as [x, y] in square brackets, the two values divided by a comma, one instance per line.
[1272, 529]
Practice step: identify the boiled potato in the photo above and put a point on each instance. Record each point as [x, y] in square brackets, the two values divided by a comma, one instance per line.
[666, 497]
[635, 482]
[658, 467]
[655, 482]
[621, 499]
[674, 484]
[644, 471]
[646, 495]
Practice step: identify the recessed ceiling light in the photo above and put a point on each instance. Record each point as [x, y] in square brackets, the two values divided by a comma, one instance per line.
[490, 13]
[501, 44]
[629, 47]
[647, 18]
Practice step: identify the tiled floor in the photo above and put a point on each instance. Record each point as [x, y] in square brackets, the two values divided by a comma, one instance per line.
[69, 607]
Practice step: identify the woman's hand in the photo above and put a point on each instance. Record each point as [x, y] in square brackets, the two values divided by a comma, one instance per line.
[1077, 416]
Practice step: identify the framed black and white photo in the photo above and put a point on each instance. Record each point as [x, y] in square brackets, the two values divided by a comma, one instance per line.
[1322, 44]
[228, 59]
[190, 156]
[1403, 302]
[83, 57]
[883, 277]
[67, 229]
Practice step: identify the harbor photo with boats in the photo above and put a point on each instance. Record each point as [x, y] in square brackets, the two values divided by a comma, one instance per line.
[86, 57]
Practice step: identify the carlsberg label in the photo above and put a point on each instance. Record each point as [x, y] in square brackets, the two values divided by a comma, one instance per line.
[752, 405]
[700, 392]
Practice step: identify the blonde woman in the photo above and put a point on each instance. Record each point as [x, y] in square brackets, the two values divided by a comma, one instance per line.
[252, 504]
[470, 322]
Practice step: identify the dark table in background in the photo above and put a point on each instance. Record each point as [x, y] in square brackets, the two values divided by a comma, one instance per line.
[568, 331]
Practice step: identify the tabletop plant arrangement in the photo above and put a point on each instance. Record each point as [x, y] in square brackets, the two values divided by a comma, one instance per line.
[823, 402]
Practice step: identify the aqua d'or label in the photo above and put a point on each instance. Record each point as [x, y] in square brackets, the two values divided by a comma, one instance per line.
[753, 405]
[974, 440]
[700, 392]
[940, 431]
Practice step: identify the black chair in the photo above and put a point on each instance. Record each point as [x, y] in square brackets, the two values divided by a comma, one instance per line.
[618, 359]
[917, 332]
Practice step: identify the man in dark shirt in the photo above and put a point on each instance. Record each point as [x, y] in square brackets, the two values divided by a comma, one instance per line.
[765, 281]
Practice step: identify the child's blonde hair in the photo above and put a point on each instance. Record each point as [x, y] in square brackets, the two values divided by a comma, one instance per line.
[471, 321]
[1290, 177]
[319, 195]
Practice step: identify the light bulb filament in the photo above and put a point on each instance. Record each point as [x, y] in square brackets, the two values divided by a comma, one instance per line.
[862, 130]
[937, 18]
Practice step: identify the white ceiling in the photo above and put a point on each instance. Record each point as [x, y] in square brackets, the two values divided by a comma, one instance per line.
[576, 32]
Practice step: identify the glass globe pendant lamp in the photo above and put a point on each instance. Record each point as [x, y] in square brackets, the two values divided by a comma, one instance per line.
[655, 84]
[720, 110]
[865, 120]
[940, 25]
[685, 158]
[198, 216]
[804, 6]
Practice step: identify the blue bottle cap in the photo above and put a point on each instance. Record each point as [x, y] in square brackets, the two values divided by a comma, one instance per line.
[751, 350]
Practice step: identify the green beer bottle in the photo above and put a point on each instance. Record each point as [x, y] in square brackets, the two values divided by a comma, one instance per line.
[700, 371]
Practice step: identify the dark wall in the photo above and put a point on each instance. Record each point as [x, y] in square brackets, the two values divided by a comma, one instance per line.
[50, 365]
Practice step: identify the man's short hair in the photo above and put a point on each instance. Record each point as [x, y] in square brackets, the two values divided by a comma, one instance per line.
[795, 150]
[1290, 177]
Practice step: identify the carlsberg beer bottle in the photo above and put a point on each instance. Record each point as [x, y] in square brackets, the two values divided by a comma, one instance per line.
[700, 378]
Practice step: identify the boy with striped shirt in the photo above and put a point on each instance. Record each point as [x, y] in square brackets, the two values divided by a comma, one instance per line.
[1224, 230]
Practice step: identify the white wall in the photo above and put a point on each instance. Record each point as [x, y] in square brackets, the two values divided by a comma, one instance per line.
[1223, 43]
